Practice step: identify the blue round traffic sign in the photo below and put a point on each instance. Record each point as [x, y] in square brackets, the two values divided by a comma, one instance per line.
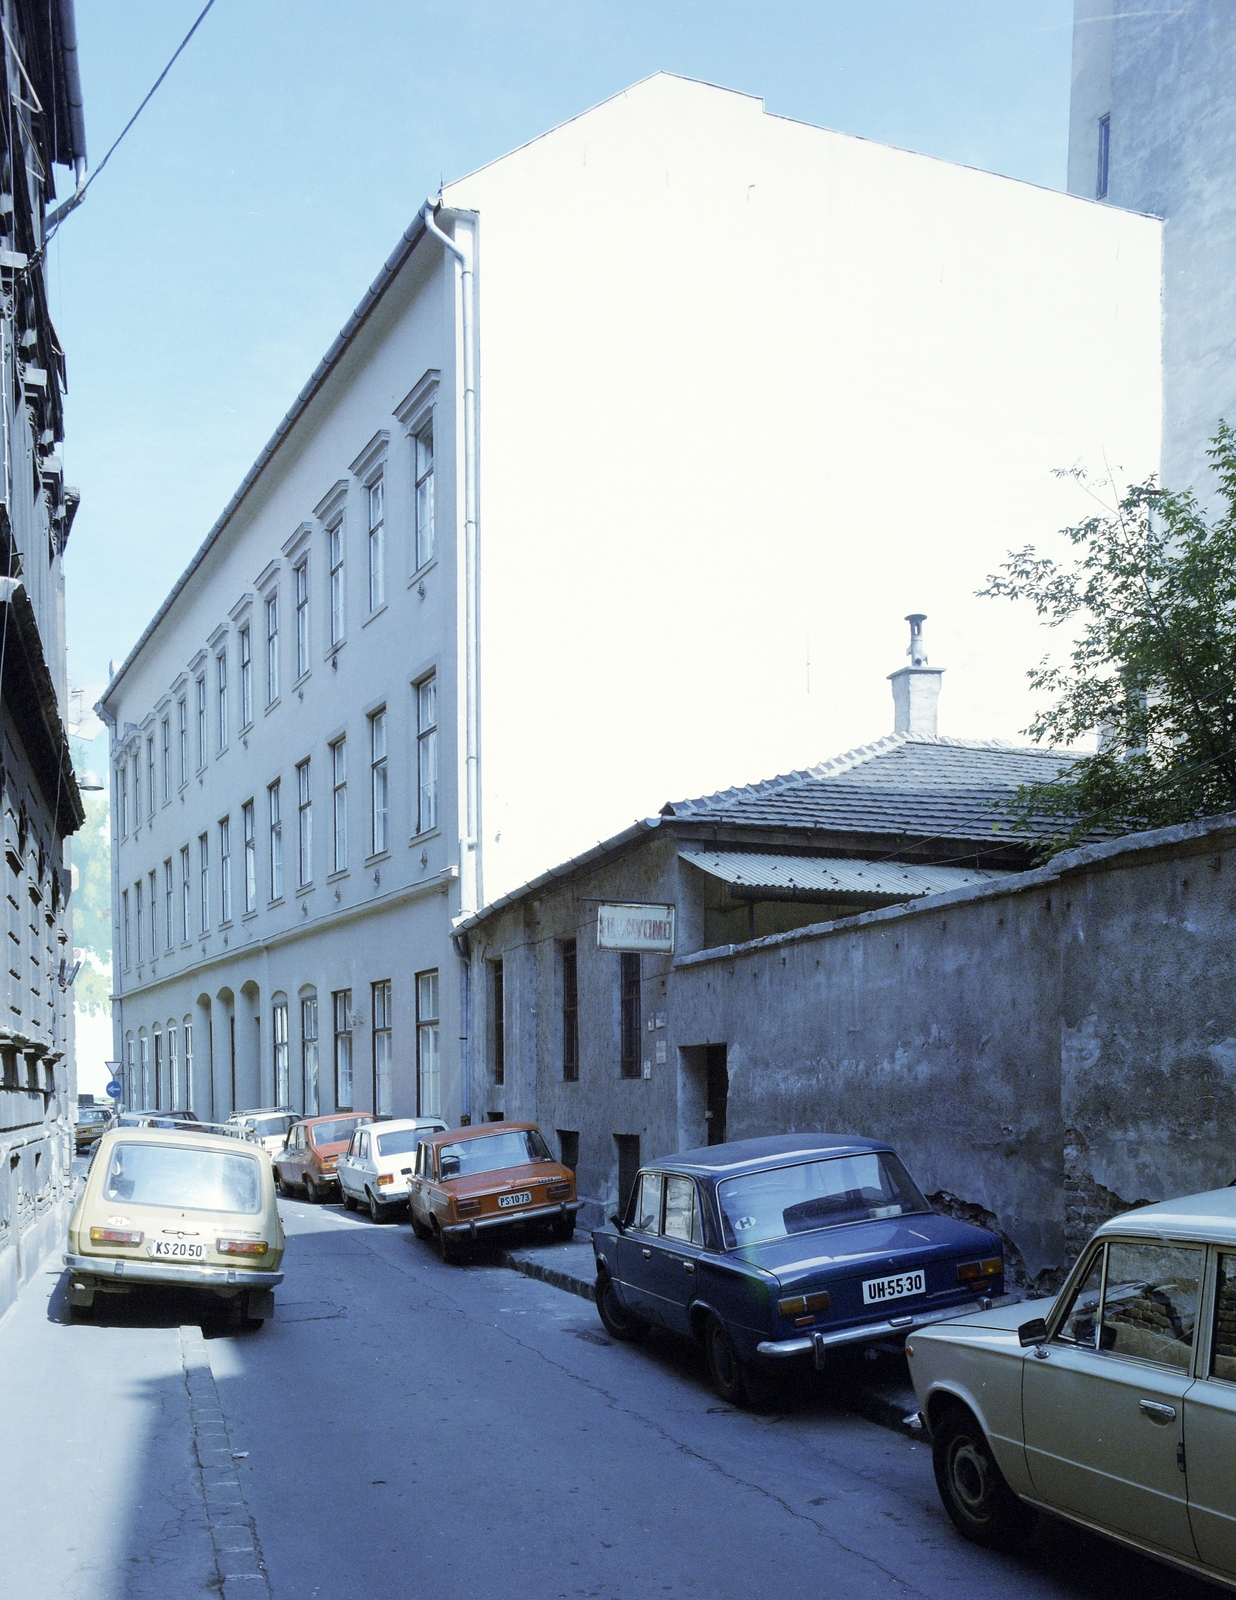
[115, 1088]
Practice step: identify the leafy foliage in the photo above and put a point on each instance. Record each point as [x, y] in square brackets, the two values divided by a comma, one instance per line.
[92, 856]
[92, 991]
[1152, 595]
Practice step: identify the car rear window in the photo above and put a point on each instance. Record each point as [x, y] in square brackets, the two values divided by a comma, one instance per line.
[197, 1180]
[491, 1152]
[402, 1142]
[271, 1127]
[336, 1131]
[816, 1194]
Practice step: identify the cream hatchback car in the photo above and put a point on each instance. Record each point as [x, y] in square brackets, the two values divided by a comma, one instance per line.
[1114, 1406]
[179, 1209]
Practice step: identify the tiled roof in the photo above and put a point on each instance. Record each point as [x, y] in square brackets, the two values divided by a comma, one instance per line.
[903, 784]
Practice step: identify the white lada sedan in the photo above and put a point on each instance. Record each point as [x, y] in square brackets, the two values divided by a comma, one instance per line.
[376, 1168]
[1113, 1406]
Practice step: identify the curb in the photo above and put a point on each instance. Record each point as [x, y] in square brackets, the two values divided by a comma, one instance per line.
[559, 1279]
[239, 1569]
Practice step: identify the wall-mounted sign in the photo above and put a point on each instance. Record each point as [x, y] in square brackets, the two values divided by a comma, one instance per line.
[623, 927]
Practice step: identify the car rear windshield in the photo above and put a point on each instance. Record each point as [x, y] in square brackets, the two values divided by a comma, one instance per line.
[402, 1142]
[816, 1194]
[271, 1127]
[491, 1152]
[335, 1131]
[195, 1180]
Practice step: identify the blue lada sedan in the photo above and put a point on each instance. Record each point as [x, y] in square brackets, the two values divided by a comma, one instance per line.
[785, 1248]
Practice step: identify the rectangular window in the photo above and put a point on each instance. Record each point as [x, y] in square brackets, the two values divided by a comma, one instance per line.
[182, 738]
[377, 782]
[151, 800]
[272, 648]
[334, 546]
[203, 879]
[250, 836]
[141, 921]
[1223, 1344]
[377, 545]
[301, 577]
[424, 495]
[186, 895]
[382, 1048]
[137, 789]
[309, 1054]
[1105, 152]
[124, 917]
[428, 1055]
[246, 676]
[276, 841]
[225, 869]
[169, 904]
[567, 956]
[339, 803]
[630, 1012]
[173, 1069]
[1150, 1300]
[189, 1067]
[221, 681]
[201, 722]
[427, 754]
[166, 732]
[304, 825]
[279, 1032]
[122, 800]
[343, 1049]
[498, 1001]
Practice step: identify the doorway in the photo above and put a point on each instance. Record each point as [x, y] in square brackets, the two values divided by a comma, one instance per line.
[628, 1167]
[703, 1095]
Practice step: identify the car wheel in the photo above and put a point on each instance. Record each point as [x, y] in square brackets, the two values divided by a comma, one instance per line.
[733, 1378]
[982, 1506]
[283, 1186]
[312, 1193]
[618, 1321]
[562, 1230]
[349, 1201]
[377, 1211]
[418, 1227]
[450, 1252]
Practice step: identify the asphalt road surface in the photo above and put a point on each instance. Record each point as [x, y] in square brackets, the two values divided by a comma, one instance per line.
[404, 1430]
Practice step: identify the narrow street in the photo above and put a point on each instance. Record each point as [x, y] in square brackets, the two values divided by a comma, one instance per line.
[412, 1430]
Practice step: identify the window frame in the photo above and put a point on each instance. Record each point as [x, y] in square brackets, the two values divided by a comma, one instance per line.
[186, 895]
[221, 691]
[248, 828]
[300, 592]
[375, 489]
[383, 1054]
[630, 1014]
[379, 783]
[225, 870]
[423, 494]
[339, 803]
[246, 675]
[166, 738]
[428, 1043]
[274, 813]
[425, 691]
[203, 871]
[1104, 165]
[182, 735]
[497, 1002]
[341, 1009]
[568, 978]
[203, 733]
[304, 823]
[335, 552]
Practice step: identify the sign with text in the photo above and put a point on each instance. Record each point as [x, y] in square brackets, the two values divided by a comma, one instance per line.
[623, 927]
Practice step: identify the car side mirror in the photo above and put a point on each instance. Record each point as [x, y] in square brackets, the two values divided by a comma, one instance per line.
[1033, 1332]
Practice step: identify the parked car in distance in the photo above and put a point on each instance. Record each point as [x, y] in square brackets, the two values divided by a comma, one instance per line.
[171, 1208]
[92, 1123]
[375, 1168]
[785, 1248]
[187, 1121]
[311, 1152]
[266, 1125]
[1113, 1405]
[494, 1178]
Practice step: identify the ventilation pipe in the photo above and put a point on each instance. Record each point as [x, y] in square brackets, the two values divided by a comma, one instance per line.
[916, 688]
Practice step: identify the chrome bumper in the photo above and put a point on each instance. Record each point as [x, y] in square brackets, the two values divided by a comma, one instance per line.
[506, 1220]
[821, 1342]
[189, 1275]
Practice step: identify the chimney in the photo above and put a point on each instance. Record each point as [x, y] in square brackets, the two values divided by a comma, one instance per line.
[916, 688]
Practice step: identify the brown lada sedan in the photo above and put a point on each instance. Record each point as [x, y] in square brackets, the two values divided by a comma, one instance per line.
[310, 1154]
[475, 1182]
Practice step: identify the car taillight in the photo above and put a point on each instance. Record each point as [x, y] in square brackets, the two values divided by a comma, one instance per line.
[115, 1236]
[558, 1191]
[386, 1177]
[797, 1305]
[467, 1208]
[241, 1247]
[968, 1271]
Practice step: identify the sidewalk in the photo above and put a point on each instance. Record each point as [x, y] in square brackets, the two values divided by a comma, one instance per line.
[878, 1390]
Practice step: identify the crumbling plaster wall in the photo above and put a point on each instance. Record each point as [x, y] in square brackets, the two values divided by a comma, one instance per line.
[1050, 1053]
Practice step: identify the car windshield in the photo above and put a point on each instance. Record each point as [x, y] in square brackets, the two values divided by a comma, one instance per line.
[401, 1142]
[271, 1127]
[193, 1180]
[816, 1194]
[91, 1114]
[336, 1131]
[491, 1152]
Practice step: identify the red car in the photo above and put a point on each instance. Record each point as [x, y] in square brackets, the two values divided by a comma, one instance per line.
[311, 1153]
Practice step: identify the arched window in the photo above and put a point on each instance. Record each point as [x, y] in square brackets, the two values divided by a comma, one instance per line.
[188, 1027]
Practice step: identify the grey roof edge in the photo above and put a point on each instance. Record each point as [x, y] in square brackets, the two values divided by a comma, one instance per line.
[408, 241]
[1107, 854]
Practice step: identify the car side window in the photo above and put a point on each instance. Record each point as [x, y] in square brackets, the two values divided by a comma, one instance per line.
[1081, 1322]
[1150, 1302]
[648, 1203]
[1223, 1344]
[679, 1209]
[364, 1147]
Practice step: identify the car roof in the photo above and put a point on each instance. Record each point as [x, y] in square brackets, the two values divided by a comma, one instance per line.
[1210, 1215]
[398, 1124]
[334, 1116]
[723, 1160]
[480, 1130]
[262, 1111]
[165, 1136]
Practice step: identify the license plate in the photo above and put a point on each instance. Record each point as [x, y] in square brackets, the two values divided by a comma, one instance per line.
[505, 1201]
[178, 1249]
[877, 1290]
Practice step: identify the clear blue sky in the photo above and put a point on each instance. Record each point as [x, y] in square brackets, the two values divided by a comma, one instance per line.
[246, 213]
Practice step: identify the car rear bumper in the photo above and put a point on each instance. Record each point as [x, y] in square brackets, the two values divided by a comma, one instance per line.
[186, 1274]
[478, 1225]
[820, 1342]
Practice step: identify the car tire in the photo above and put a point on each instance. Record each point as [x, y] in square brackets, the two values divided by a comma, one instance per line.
[350, 1201]
[283, 1186]
[562, 1229]
[377, 1211]
[450, 1252]
[724, 1366]
[418, 1227]
[618, 1322]
[312, 1193]
[980, 1503]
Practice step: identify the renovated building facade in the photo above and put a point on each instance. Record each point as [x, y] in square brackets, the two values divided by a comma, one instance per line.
[40, 805]
[560, 521]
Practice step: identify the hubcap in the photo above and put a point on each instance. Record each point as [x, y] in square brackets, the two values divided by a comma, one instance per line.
[970, 1479]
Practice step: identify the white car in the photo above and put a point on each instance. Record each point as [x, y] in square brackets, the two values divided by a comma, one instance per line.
[375, 1169]
[267, 1126]
[1113, 1405]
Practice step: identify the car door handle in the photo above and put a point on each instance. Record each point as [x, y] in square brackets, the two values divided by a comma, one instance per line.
[647, 1254]
[1157, 1412]
[688, 1266]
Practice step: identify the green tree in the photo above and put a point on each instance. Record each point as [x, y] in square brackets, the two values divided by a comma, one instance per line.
[91, 850]
[1151, 598]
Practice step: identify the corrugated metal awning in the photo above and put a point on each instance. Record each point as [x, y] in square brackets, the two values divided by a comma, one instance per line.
[827, 877]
